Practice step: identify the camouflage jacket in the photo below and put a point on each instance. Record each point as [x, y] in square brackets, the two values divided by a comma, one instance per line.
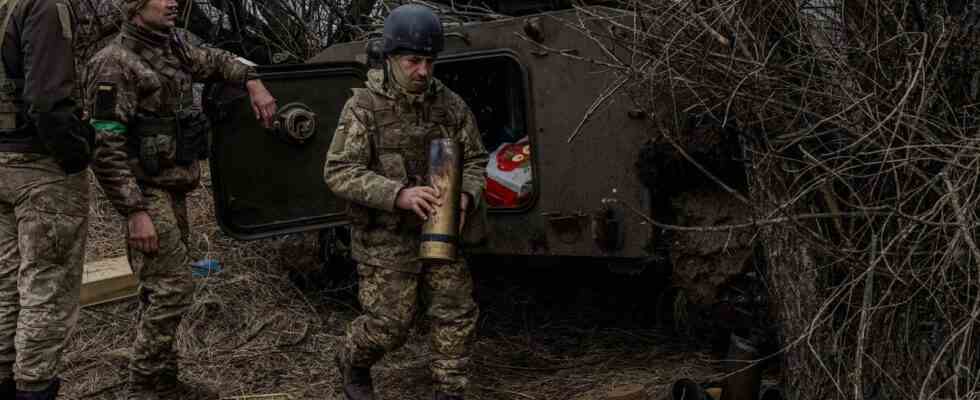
[144, 73]
[380, 147]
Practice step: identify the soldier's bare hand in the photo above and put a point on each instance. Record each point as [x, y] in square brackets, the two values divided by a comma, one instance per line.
[142, 234]
[423, 200]
[263, 104]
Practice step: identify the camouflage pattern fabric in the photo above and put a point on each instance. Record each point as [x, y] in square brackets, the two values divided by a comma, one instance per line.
[43, 225]
[390, 298]
[166, 289]
[368, 165]
[380, 147]
[147, 73]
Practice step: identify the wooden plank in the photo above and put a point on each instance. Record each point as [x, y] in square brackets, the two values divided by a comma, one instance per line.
[107, 280]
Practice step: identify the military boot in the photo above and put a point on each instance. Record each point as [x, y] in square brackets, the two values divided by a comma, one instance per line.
[357, 380]
[446, 396]
[142, 387]
[8, 389]
[49, 393]
[170, 387]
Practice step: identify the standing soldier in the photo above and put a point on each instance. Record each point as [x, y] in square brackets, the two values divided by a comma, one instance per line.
[149, 141]
[44, 192]
[376, 161]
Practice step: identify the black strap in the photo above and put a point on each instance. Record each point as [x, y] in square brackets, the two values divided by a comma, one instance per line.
[434, 237]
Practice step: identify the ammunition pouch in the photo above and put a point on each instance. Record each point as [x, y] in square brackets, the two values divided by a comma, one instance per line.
[192, 137]
[68, 139]
[154, 135]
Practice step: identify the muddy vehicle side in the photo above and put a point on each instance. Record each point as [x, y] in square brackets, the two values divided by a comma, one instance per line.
[517, 89]
[530, 81]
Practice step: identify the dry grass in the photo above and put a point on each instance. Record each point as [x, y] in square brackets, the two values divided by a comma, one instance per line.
[270, 321]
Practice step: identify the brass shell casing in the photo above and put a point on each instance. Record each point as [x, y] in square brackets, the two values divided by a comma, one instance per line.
[440, 233]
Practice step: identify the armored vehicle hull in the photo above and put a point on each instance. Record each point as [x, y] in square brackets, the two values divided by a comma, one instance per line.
[567, 147]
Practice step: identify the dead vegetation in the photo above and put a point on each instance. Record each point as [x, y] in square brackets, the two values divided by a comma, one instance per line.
[270, 321]
[857, 125]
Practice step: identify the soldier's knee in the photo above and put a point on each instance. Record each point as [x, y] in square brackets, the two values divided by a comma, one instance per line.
[397, 334]
[173, 294]
[460, 313]
[172, 244]
[388, 333]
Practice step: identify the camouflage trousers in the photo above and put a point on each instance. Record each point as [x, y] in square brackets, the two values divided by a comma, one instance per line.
[43, 228]
[166, 288]
[390, 300]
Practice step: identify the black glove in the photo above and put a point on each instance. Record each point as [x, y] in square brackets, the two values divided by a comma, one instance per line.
[67, 138]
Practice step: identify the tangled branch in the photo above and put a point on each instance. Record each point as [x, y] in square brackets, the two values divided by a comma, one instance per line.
[858, 130]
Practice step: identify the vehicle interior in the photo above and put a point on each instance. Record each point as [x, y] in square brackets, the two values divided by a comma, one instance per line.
[495, 87]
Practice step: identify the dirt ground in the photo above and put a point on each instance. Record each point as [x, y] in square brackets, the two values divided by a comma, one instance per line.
[270, 321]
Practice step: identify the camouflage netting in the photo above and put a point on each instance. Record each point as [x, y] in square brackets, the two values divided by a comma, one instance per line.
[857, 128]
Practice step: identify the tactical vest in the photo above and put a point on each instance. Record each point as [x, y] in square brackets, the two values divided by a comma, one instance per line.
[399, 149]
[175, 135]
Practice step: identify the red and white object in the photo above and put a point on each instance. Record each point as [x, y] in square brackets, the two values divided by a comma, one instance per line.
[509, 177]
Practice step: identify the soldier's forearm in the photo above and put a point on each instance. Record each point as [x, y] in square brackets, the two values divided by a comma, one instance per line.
[111, 169]
[122, 191]
[473, 180]
[119, 186]
[474, 190]
[215, 64]
[362, 186]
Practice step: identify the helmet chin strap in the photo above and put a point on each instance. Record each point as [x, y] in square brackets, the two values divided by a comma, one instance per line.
[401, 78]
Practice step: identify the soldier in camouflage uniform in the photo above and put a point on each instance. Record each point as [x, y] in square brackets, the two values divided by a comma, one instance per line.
[377, 160]
[44, 191]
[149, 143]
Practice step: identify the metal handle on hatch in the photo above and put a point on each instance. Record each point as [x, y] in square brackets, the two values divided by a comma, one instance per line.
[296, 123]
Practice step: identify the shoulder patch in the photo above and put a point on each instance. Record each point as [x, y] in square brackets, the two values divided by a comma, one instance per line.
[64, 16]
[105, 100]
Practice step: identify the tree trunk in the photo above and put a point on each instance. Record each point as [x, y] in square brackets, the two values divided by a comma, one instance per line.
[794, 292]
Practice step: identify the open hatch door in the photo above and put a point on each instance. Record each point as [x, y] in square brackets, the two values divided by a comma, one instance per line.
[269, 182]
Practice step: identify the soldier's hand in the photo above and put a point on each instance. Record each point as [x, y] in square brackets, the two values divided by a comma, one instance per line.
[263, 104]
[421, 199]
[142, 234]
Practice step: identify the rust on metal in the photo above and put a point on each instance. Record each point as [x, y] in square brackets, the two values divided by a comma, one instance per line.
[441, 231]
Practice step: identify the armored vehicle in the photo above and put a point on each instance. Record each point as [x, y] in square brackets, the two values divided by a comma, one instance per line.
[565, 177]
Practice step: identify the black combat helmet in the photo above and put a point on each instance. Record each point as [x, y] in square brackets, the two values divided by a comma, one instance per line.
[413, 28]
